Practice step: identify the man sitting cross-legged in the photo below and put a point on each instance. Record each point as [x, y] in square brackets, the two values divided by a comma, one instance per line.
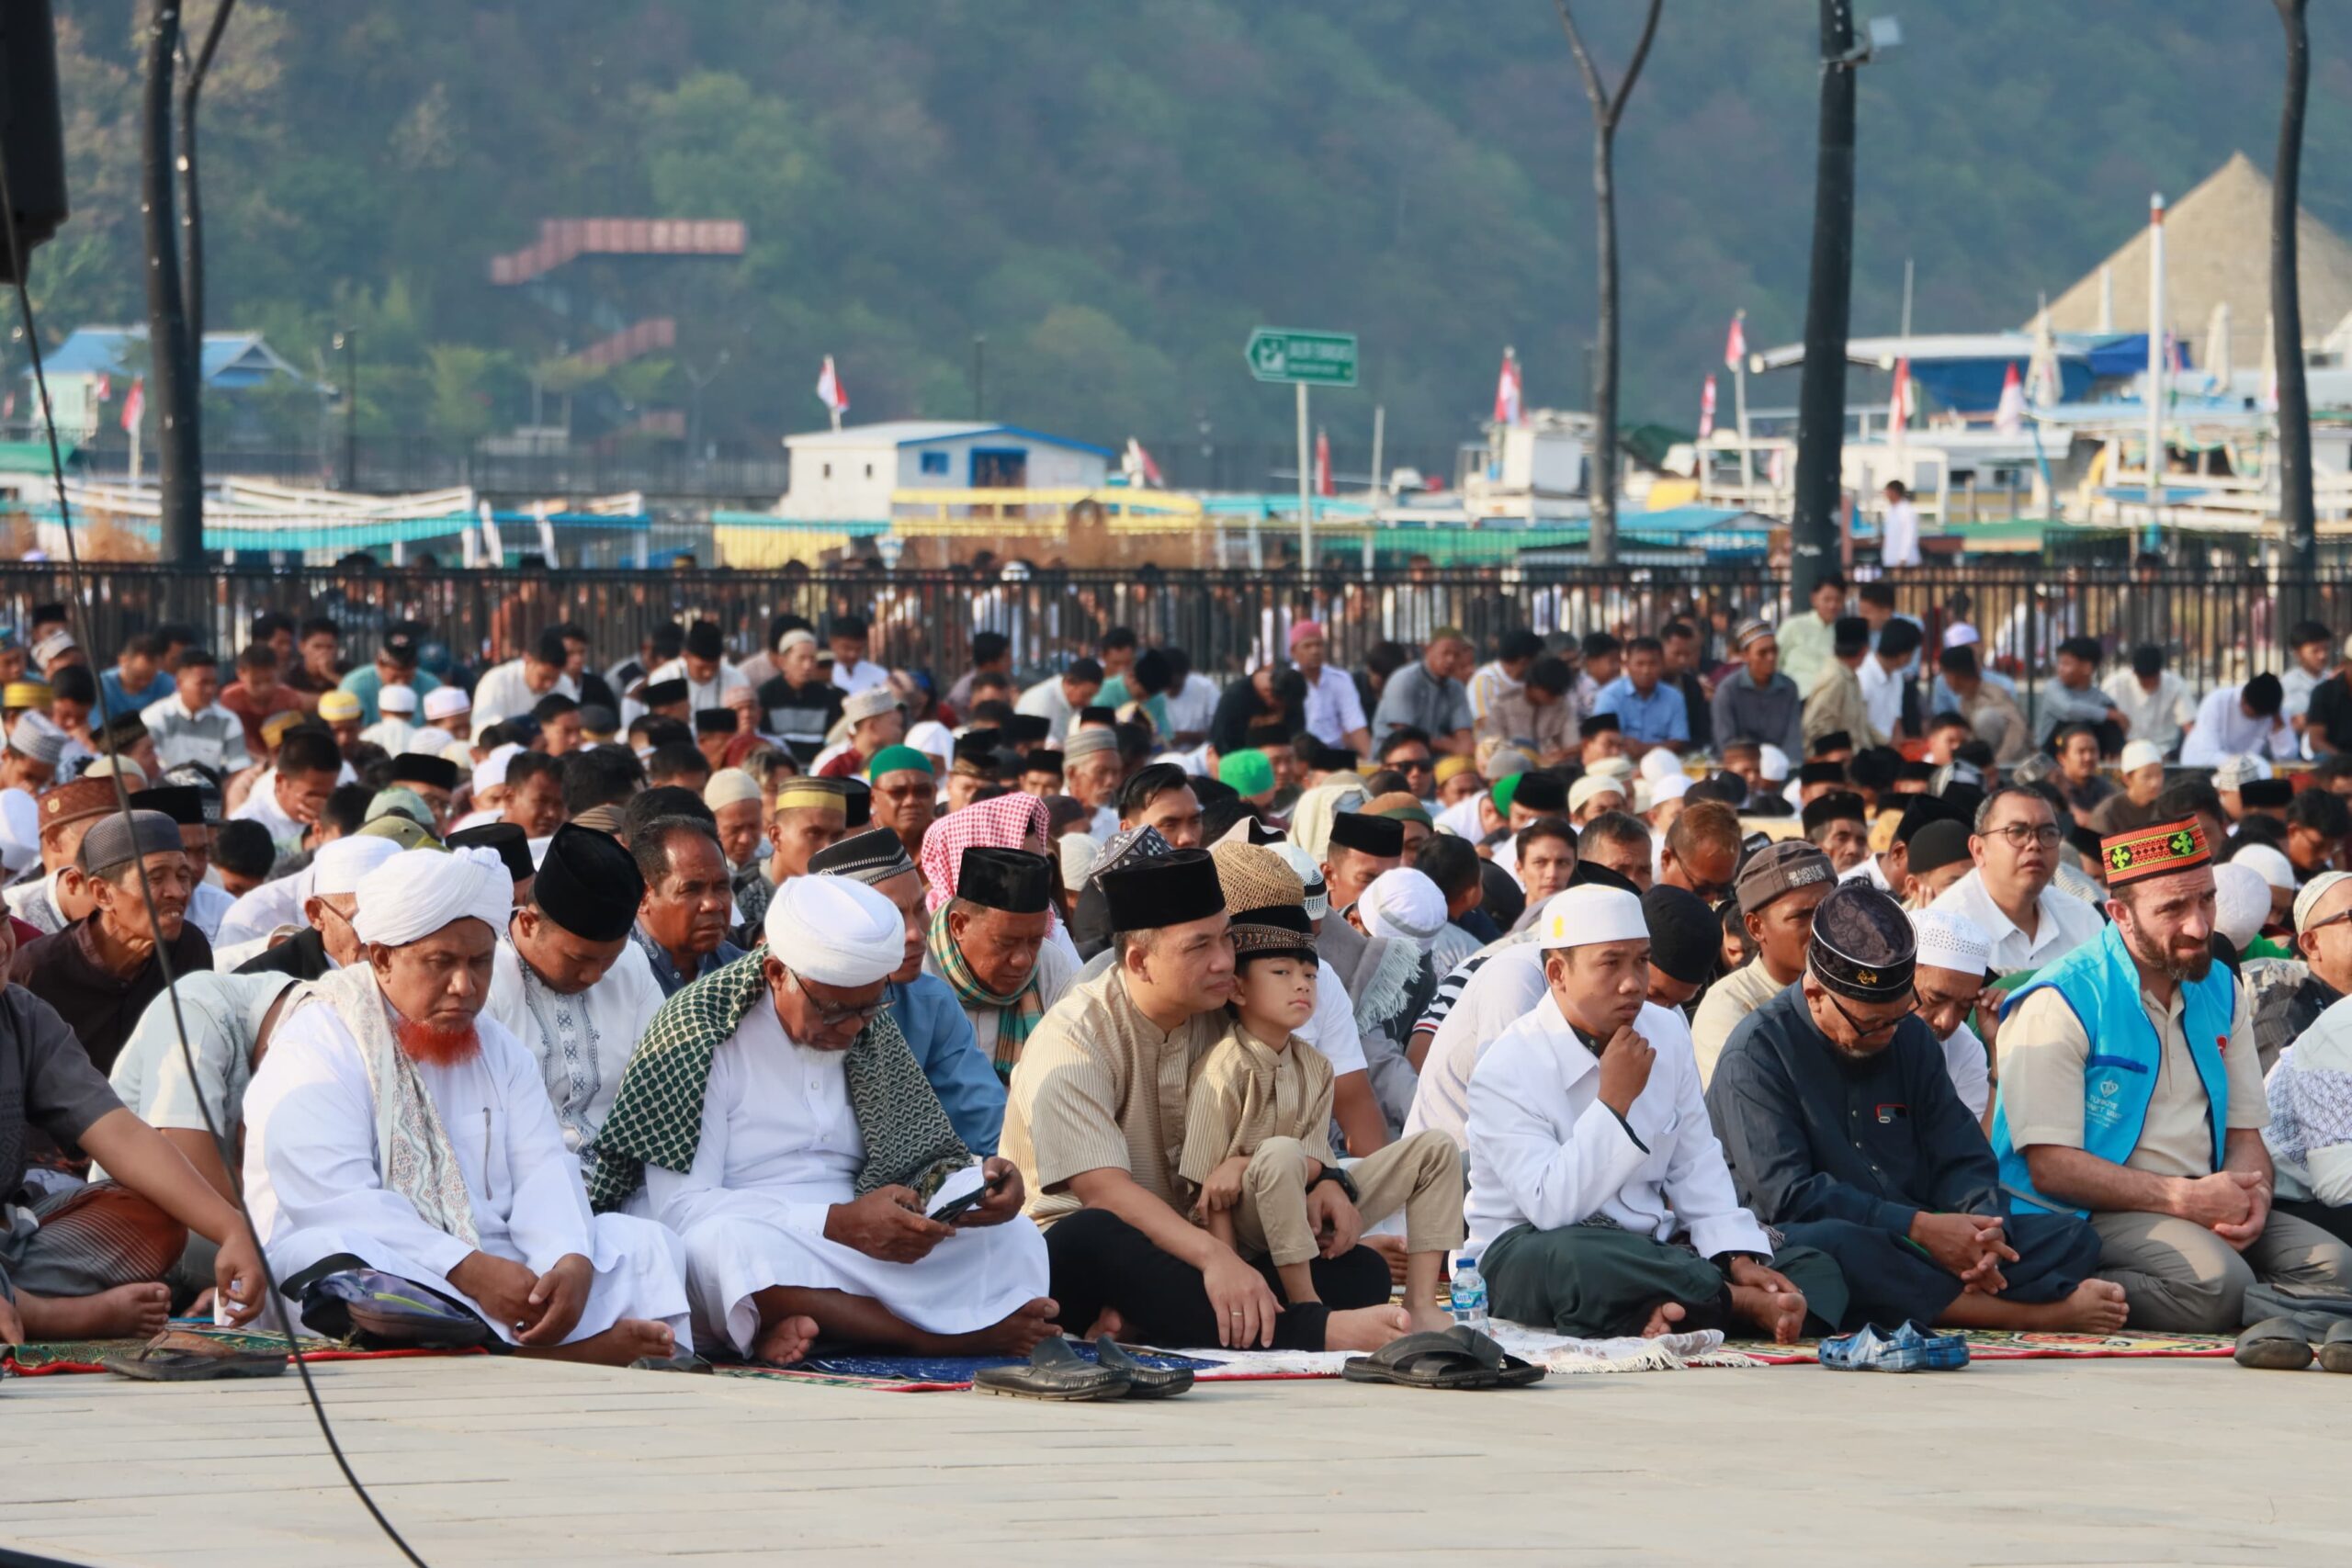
[391, 1124]
[785, 1130]
[1844, 1130]
[1599, 1200]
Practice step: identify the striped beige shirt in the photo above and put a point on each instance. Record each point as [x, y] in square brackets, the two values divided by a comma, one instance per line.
[1099, 1086]
[1247, 1092]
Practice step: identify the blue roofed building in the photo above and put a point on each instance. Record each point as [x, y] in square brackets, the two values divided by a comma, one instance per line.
[91, 372]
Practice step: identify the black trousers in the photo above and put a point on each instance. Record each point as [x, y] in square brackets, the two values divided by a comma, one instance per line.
[1100, 1261]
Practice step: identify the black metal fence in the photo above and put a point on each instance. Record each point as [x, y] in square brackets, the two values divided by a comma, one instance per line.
[2218, 622]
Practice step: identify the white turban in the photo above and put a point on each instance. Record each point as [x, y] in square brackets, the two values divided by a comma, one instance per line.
[931, 739]
[491, 772]
[343, 863]
[1405, 906]
[1948, 941]
[2272, 866]
[1773, 764]
[2241, 900]
[418, 892]
[835, 931]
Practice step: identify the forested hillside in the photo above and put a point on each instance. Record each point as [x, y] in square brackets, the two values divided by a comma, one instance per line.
[1114, 191]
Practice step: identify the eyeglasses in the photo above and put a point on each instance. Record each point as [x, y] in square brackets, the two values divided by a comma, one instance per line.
[1867, 1027]
[2022, 834]
[1414, 765]
[2335, 920]
[830, 1017]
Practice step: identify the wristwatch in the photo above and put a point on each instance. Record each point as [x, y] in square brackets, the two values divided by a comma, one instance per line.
[1333, 1173]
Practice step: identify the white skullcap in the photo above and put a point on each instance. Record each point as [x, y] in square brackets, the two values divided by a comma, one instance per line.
[1674, 786]
[1590, 787]
[1582, 916]
[729, 786]
[1950, 940]
[418, 892]
[397, 699]
[459, 752]
[1959, 635]
[2138, 754]
[835, 931]
[1403, 905]
[1618, 768]
[2267, 862]
[931, 739]
[2241, 901]
[491, 772]
[1079, 851]
[115, 766]
[445, 702]
[2317, 888]
[1658, 762]
[2237, 772]
[1773, 764]
[343, 863]
[1310, 876]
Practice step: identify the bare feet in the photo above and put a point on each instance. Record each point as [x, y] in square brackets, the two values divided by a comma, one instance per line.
[1778, 1314]
[1390, 1248]
[124, 1312]
[1665, 1320]
[785, 1341]
[617, 1347]
[1022, 1330]
[1109, 1323]
[2097, 1306]
[1365, 1329]
[1427, 1318]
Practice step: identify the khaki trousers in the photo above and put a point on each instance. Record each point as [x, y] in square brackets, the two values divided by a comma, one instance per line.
[2181, 1277]
[1420, 1175]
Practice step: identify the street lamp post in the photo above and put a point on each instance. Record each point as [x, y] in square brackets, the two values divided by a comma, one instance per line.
[346, 343]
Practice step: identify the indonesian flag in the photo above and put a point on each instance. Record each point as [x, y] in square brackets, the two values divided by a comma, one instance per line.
[1707, 409]
[1506, 404]
[2009, 418]
[1140, 468]
[1775, 472]
[1898, 405]
[102, 387]
[134, 404]
[829, 388]
[1322, 463]
[1736, 340]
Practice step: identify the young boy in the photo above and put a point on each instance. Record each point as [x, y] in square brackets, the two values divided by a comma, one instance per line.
[1257, 1140]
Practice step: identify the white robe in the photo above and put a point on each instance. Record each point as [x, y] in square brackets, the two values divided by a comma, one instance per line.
[312, 1182]
[207, 905]
[261, 806]
[1544, 1151]
[273, 907]
[780, 1146]
[583, 1043]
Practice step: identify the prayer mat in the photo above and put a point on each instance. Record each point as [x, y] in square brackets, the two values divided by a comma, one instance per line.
[937, 1374]
[49, 1357]
[1992, 1345]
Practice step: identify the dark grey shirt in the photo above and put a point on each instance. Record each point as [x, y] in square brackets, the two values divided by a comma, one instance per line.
[1772, 714]
[1435, 704]
[47, 1082]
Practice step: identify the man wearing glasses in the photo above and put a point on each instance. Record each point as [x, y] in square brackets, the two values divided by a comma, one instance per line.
[1843, 1130]
[2015, 848]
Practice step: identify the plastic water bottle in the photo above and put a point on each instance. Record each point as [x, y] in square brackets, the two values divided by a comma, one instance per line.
[1468, 1292]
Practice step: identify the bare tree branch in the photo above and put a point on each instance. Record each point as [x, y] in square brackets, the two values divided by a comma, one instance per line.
[1607, 107]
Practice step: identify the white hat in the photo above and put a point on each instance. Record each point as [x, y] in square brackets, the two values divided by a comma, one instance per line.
[1403, 905]
[2241, 901]
[931, 739]
[1590, 788]
[1960, 635]
[835, 931]
[341, 862]
[2237, 772]
[1619, 768]
[417, 892]
[2267, 862]
[1079, 851]
[1658, 762]
[397, 699]
[444, 701]
[1310, 876]
[1582, 916]
[1674, 786]
[2138, 754]
[491, 772]
[1773, 764]
[871, 702]
[1948, 941]
[2317, 888]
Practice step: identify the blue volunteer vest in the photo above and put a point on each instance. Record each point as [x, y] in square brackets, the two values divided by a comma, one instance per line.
[2099, 981]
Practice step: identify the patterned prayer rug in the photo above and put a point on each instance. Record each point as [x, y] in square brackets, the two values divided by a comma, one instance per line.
[937, 1374]
[1990, 1345]
[52, 1356]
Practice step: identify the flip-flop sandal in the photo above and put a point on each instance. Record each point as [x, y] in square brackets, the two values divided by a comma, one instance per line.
[686, 1361]
[1054, 1372]
[396, 1314]
[1142, 1381]
[1509, 1370]
[1423, 1360]
[177, 1356]
[2274, 1344]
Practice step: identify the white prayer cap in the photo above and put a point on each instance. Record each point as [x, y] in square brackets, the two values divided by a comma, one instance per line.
[442, 701]
[729, 786]
[2138, 754]
[1582, 916]
[19, 829]
[1403, 905]
[1590, 787]
[2237, 772]
[397, 699]
[418, 892]
[835, 931]
[1078, 852]
[343, 863]
[2241, 901]
[931, 739]
[1674, 786]
[459, 752]
[110, 767]
[1950, 940]
[491, 772]
[1658, 762]
[1310, 876]
[1773, 764]
[1619, 768]
[2269, 864]
[2317, 888]
[1960, 635]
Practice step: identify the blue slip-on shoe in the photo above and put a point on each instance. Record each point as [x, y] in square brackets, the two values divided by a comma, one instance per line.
[1909, 1349]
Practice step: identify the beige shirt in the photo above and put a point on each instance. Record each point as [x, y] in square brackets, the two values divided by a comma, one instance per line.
[1099, 1086]
[1245, 1092]
[1727, 1001]
[1838, 703]
[2044, 1049]
[1513, 717]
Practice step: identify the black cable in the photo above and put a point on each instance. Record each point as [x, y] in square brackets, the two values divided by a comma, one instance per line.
[79, 609]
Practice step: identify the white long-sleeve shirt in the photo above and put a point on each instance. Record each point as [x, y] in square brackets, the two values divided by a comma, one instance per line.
[502, 693]
[2225, 730]
[700, 694]
[1544, 1151]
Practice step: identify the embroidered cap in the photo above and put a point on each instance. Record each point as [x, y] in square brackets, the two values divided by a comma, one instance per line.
[2154, 851]
[1862, 944]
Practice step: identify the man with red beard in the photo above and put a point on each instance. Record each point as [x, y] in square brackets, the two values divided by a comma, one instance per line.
[394, 1128]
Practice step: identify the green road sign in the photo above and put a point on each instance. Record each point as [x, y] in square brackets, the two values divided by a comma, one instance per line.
[1314, 359]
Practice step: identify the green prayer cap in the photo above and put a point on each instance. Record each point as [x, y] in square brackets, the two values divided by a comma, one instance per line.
[1246, 773]
[895, 760]
[406, 802]
[1505, 789]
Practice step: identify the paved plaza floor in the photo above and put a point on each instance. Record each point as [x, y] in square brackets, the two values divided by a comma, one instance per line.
[504, 1462]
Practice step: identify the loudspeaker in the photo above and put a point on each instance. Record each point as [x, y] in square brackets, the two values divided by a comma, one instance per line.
[32, 126]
